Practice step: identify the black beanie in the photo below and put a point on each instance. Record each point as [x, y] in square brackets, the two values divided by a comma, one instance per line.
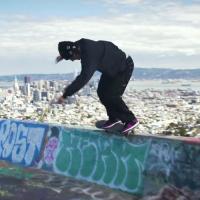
[66, 49]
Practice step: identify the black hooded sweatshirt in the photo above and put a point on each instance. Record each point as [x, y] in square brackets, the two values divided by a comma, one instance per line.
[102, 56]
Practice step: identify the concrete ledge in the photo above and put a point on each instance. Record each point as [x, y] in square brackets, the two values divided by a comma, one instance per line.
[136, 164]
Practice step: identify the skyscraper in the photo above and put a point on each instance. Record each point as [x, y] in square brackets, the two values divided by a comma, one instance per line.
[36, 95]
[16, 85]
[27, 79]
[27, 89]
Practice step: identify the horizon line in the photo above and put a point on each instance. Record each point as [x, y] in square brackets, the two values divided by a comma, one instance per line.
[41, 73]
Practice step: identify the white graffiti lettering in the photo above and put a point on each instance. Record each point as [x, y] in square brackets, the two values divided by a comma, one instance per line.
[34, 140]
[4, 131]
[19, 142]
[10, 141]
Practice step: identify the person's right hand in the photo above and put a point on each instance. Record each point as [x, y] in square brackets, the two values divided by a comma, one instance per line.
[61, 100]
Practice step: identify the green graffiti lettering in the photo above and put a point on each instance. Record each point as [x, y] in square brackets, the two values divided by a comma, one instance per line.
[89, 161]
[63, 160]
[75, 162]
[112, 160]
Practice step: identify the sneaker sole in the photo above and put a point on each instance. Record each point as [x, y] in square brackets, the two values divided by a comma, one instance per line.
[127, 130]
[111, 125]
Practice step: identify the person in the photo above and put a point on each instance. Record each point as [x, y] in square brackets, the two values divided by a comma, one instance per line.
[116, 69]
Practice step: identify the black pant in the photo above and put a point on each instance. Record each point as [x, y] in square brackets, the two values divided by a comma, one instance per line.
[110, 91]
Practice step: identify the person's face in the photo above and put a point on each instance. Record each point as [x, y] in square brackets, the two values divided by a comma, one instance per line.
[75, 57]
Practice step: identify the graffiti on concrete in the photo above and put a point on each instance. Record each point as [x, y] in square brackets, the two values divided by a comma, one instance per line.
[21, 142]
[111, 161]
[175, 162]
[50, 147]
[160, 155]
[192, 140]
[185, 168]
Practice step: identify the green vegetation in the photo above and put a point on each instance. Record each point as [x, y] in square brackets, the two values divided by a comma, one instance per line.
[176, 129]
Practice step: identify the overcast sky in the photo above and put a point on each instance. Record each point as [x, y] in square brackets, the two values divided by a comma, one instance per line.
[156, 33]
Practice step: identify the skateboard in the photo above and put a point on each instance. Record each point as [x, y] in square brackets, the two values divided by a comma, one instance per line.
[116, 129]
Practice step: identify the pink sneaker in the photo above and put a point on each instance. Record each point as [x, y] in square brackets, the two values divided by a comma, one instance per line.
[129, 126]
[110, 123]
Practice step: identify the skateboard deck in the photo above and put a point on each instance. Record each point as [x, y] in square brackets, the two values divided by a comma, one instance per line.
[116, 129]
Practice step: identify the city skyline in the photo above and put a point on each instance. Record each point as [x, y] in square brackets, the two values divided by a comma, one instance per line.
[156, 34]
[168, 110]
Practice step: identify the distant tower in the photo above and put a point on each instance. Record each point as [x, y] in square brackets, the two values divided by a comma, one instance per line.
[36, 95]
[16, 85]
[41, 84]
[46, 85]
[44, 96]
[27, 79]
[27, 89]
[52, 84]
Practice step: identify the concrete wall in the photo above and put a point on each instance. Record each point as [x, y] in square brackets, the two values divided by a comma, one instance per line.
[136, 164]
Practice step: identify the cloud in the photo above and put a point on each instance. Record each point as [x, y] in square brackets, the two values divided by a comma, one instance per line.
[150, 30]
[124, 30]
